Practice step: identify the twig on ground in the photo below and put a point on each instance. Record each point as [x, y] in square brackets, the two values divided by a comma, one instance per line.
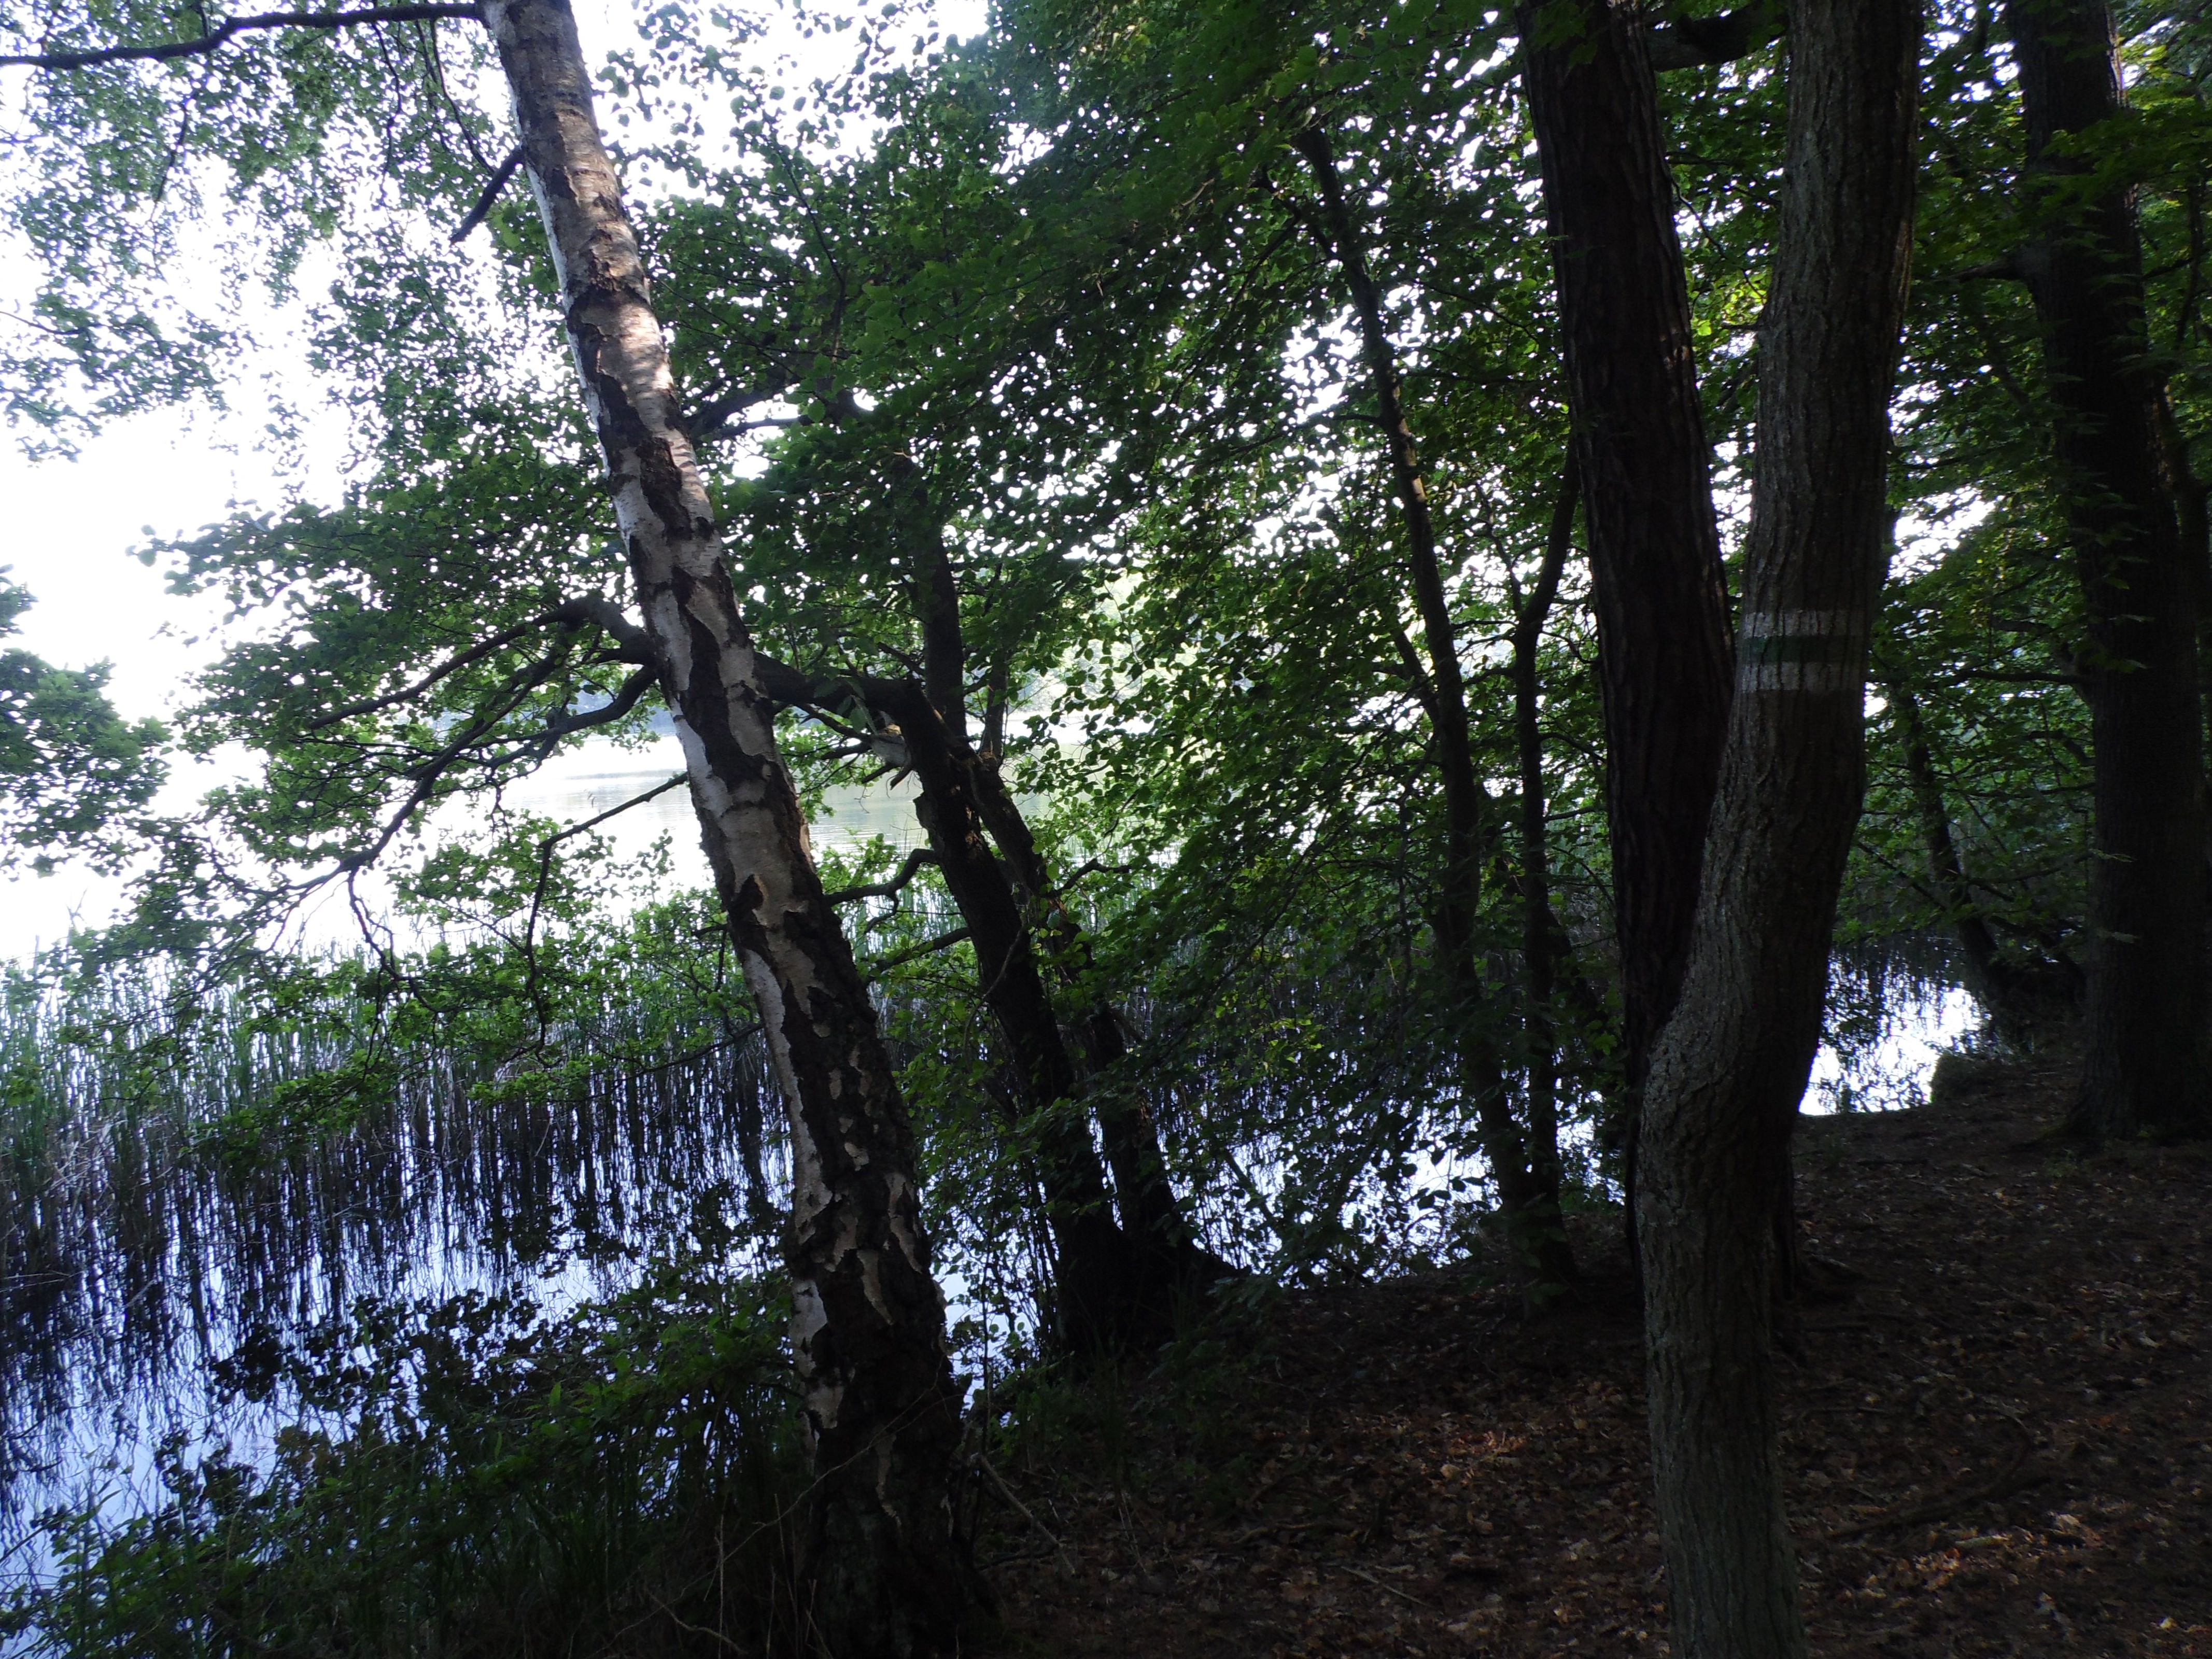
[2021, 1477]
[1389, 1590]
[1007, 1492]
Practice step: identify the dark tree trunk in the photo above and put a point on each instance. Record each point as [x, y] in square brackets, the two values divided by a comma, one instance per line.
[1945, 866]
[2018, 996]
[1107, 1294]
[1151, 1255]
[1527, 1189]
[1149, 1211]
[2145, 1067]
[1732, 1062]
[882, 1409]
[1655, 578]
[1541, 944]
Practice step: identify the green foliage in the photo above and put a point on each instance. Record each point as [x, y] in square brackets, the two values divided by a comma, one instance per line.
[70, 766]
[1061, 320]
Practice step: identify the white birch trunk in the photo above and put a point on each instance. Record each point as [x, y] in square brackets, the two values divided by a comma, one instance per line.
[868, 1332]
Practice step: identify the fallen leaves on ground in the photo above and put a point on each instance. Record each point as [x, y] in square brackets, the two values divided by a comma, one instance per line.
[1996, 1434]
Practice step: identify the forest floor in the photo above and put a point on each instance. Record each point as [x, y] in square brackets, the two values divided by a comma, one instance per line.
[1996, 1438]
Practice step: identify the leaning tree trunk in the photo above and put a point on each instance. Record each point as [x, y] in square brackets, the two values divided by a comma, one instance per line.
[1152, 1256]
[1151, 1213]
[1732, 1062]
[882, 1409]
[2145, 1067]
[1528, 1183]
[1655, 579]
[1107, 1293]
[1984, 972]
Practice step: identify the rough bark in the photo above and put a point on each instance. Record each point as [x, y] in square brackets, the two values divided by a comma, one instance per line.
[1655, 579]
[1527, 1188]
[885, 1575]
[2145, 1062]
[1732, 1062]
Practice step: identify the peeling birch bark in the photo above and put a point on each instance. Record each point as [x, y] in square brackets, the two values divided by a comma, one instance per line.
[868, 1329]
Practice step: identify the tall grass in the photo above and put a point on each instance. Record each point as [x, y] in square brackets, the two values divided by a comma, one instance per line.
[180, 1164]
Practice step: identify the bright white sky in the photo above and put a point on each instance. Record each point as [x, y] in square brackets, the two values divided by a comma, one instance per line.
[72, 526]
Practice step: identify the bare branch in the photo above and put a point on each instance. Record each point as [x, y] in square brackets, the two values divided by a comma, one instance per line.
[589, 824]
[916, 861]
[485, 203]
[882, 965]
[222, 32]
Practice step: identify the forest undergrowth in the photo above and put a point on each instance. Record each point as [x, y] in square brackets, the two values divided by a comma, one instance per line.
[1996, 1421]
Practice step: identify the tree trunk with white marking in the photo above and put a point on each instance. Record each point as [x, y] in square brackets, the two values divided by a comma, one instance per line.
[1731, 1064]
[883, 1573]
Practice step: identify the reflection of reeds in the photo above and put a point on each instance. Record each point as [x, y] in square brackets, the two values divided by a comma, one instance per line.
[479, 1480]
[176, 1166]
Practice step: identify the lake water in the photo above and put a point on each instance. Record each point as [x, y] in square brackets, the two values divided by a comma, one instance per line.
[583, 782]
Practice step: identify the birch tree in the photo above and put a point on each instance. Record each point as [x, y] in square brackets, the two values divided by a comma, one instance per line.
[882, 1409]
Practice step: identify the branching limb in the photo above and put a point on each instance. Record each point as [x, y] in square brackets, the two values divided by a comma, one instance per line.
[713, 419]
[629, 637]
[636, 645]
[1095, 867]
[222, 32]
[624, 699]
[452, 666]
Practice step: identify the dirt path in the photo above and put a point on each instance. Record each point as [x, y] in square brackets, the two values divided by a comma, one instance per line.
[1998, 1440]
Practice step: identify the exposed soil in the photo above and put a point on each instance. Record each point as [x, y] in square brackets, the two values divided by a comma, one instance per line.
[1998, 1438]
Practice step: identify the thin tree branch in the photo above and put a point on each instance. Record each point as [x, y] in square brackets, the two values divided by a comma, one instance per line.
[882, 965]
[487, 201]
[1536, 608]
[545, 876]
[916, 861]
[476, 653]
[606, 714]
[222, 32]
[654, 794]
